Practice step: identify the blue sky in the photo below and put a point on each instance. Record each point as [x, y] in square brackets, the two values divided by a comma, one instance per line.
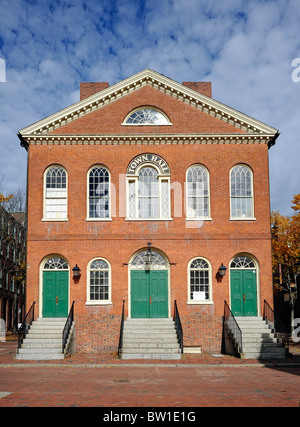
[245, 47]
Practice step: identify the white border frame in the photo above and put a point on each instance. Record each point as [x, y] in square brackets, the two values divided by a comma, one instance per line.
[99, 302]
[206, 302]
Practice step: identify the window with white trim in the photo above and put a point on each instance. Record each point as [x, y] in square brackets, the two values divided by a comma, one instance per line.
[200, 288]
[99, 282]
[147, 116]
[98, 193]
[241, 192]
[148, 194]
[55, 193]
[197, 189]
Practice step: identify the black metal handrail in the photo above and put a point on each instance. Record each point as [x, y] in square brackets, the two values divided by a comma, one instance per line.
[275, 323]
[178, 326]
[24, 328]
[121, 330]
[67, 327]
[233, 325]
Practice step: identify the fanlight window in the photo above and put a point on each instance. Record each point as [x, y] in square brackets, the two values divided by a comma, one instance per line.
[242, 262]
[99, 289]
[147, 116]
[140, 261]
[199, 277]
[56, 263]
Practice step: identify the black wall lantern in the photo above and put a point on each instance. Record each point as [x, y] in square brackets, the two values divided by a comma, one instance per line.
[76, 271]
[222, 270]
[149, 255]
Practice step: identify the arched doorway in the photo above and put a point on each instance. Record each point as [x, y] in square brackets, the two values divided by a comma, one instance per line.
[55, 271]
[149, 286]
[243, 285]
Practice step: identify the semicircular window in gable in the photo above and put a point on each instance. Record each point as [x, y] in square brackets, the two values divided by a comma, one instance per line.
[146, 116]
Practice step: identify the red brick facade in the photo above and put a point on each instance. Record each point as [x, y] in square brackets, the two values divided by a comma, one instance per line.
[99, 138]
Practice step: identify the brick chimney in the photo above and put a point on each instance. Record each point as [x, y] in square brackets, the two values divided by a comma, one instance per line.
[88, 89]
[201, 87]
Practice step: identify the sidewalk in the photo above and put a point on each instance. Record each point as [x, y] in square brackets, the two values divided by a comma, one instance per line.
[8, 351]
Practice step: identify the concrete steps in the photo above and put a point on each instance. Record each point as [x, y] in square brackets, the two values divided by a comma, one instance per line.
[259, 341]
[43, 341]
[150, 339]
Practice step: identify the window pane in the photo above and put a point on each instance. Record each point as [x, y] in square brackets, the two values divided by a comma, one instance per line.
[197, 192]
[99, 193]
[199, 280]
[56, 193]
[147, 116]
[241, 192]
[99, 281]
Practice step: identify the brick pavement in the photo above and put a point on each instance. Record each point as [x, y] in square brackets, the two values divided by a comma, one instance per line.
[107, 382]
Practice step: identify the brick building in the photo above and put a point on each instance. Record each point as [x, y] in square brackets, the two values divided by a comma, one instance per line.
[12, 255]
[148, 160]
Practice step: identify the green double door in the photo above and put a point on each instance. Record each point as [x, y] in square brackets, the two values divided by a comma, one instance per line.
[243, 292]
[55, 293]
[149, 294]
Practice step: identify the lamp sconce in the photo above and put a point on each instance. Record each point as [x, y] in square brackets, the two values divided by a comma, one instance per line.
[76, 272]
[222, 270]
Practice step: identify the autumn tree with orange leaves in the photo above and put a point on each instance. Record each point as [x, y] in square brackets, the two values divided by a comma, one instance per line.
[286, 252]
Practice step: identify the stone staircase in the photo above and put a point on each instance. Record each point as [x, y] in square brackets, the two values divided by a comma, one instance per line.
[150, 339]
[259, 341]
[43, 341]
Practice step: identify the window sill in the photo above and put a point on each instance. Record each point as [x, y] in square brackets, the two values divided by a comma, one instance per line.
[55, 220]
[98, 219]
[148, 219]
[242, 219]
[97, 303]
[200, 302]
[199, 219]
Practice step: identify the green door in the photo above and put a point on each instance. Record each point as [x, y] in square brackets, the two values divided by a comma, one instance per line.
[243, 292]
[55, 293]
[149, 294]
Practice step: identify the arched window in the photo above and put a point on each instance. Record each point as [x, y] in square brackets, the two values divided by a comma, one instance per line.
[148, 194]
[98, 193]
[197, 188]
[55, 193]
[242, 261]
[140, 261]
[241, 192]
[147, 116]
[56, 263]
[200, 289]
[99, 282]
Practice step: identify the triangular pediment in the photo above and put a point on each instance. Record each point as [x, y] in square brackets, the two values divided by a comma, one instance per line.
[242, 123]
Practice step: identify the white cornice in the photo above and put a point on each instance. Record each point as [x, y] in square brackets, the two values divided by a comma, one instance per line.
[176, 139]
[160, 82]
